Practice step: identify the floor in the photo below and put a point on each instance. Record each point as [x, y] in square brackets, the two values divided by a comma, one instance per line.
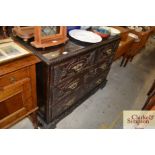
[126, 89]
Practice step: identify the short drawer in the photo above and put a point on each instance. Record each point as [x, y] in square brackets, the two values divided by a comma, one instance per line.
[14, 77]
[94, 82]
[66, 88]
[102, 68]
[96, 71]
[69, 68]
[104, 52]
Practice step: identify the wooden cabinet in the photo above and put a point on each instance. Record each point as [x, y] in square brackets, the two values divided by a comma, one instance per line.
[18, 91]
[68, 74]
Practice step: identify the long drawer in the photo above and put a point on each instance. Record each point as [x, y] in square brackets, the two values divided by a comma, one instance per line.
[65, 104]
[72, 67]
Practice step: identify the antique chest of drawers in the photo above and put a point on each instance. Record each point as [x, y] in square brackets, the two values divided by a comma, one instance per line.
[68, 74]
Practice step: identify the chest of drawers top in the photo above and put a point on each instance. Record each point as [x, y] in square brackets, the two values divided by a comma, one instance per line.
[54, 55]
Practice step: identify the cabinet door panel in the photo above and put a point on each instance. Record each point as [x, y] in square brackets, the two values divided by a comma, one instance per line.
[14, 101]
[10, 105]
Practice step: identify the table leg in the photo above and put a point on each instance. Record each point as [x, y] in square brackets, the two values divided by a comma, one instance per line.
[126, 62]
[122, 62]
[34, 120]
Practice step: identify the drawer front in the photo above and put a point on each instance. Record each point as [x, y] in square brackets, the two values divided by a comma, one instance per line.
[62, 106]
[66, 88]
[105, 52]
[102, 68]
[96, 71]
[67, 69]
[14, 77]
[92, 83]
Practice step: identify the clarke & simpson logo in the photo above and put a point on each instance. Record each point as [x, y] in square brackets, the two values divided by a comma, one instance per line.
[139, 119]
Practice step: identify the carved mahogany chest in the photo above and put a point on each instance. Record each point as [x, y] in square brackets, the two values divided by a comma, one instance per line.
[69, 74]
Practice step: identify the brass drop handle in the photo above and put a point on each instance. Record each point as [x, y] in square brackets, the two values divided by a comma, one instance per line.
[78, 67]
[109, 51]
[104, 66]
[73, 85]
[12, 79]
[99, 81]
[70, 102]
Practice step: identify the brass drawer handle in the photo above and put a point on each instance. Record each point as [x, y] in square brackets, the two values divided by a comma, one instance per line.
[78, 67]
[109, 51]
[13, 79]
[70, 102]
[73, 85]
[104, 66]
[98, 81]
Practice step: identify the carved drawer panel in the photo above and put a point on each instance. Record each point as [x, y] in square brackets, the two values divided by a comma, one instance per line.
[105, 52]
[66, 88]
[102, 68]
[73, 66]
[91, 83]
[96, 71]
[64, 105]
